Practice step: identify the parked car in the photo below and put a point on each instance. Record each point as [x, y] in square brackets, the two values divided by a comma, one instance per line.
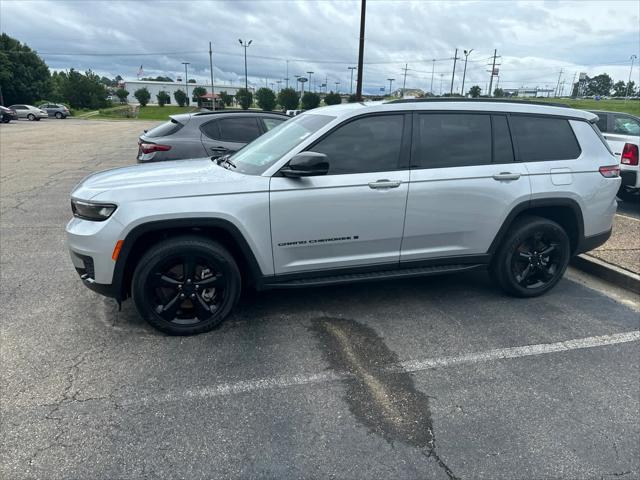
[348, 193]
[622, 132]
[8, 114]
[55, 110]
[29, 112]
[204, 134]
[293, 113]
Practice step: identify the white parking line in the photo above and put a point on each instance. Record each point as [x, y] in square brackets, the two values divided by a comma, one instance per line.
[269, 383]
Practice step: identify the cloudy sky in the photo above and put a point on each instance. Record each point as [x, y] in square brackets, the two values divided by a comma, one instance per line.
[535, 39]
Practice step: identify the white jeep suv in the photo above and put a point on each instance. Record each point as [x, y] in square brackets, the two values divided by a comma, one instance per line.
[347, 193]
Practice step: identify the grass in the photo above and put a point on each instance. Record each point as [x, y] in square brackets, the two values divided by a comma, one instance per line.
[630, 106]
[162, 113]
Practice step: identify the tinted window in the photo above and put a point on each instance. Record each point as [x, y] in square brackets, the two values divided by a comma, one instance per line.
[625, 125]
[544, 138]
[602, 122]
[211, 130]
[239, 129]
[368, 144]
[164, 129]
[270, 123]
[502, 146]
[452, 140]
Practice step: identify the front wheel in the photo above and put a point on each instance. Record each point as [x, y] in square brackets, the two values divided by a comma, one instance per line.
[186, 285]
[532, 258]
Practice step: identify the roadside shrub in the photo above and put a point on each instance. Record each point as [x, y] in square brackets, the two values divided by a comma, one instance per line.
[181, 97]
[288, 99]
[122, 95]
[143, 96]
[226, 98]
[310, 100]
[266, 99]
[197, 93]
[244, 98]
[352, 98]
[163, 98]
[332, 98]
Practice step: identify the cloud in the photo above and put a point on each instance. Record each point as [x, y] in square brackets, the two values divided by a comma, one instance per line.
[534, 39]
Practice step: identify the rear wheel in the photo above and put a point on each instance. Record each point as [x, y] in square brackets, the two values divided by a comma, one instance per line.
[31, 117]
[532, 258]
[58, 115]
[186, 285]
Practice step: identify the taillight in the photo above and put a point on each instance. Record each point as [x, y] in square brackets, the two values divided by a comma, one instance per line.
[629, 154]
[154, 147]
[610, 171]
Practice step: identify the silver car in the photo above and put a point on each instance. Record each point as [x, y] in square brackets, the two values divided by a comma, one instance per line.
[55, 110]
[29, 112]
[204, 134]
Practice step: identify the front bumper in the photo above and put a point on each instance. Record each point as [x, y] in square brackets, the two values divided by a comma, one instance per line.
[85, 267]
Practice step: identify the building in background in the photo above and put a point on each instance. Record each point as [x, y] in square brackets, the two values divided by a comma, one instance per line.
[170, 87]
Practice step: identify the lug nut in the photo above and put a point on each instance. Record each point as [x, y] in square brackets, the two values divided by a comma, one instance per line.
[193, 295]
[182, 295]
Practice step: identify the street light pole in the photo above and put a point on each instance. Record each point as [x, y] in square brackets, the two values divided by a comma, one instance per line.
[310, 73]
[363, 11]
[186, 81]
[626, 94]
[464, 74]
[433, 67]
[245, 45]
[390, 83]
[213, 90]
[351, 87]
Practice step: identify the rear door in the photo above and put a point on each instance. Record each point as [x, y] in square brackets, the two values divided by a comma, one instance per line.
[227, 135]
[464, 182]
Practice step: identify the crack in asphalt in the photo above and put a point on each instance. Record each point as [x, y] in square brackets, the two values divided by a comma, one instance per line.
[385, 401]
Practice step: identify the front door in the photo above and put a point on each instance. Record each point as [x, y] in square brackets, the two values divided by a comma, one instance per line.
[354, 215]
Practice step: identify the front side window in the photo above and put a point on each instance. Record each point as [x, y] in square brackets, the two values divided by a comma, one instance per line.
[544, 138]
[240, 129]
[270, 123]
[368, 144]
[625, 125]
[452, 140]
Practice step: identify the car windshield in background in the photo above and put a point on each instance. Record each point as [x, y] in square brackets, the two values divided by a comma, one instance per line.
[260, 154]
[164, 129]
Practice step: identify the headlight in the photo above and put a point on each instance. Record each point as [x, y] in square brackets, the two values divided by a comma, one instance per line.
[92, 211]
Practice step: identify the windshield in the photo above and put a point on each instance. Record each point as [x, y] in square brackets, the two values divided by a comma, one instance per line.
[263, 152]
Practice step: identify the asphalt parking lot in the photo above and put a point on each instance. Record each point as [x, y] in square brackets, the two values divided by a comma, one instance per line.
[441, 377]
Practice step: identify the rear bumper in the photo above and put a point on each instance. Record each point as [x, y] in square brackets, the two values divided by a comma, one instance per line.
[592, 241]
[629, 178]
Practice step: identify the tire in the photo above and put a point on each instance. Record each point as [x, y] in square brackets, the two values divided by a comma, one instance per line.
[177, 303]
[38, 119]
[31, 117]
[59, 115]
[6, 120]
[521, 268]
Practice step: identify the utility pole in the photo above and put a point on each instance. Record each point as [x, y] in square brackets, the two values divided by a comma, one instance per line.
[558, 84]
[441, 77]
[455, 58]
[390, 82]
[326, 84]
[404, 82]
[310, 73]
[433, 68]
[245, 45]
[213, 101]
[286, 79]
[363, 11]
[493, 70]
[279, 82]
[351, 87]
[464, 74]
[626, 94]
[186, 80]
[573, 83]
[297, 77]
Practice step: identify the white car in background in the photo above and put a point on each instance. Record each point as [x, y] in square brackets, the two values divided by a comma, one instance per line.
[29, 112]
[622, 132]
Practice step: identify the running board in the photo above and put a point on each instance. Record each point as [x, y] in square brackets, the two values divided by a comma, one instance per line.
[368, 276]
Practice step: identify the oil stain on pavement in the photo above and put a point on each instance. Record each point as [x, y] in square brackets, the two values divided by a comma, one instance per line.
[380, 396]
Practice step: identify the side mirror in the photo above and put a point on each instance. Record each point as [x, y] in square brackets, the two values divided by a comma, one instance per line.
[306, 164]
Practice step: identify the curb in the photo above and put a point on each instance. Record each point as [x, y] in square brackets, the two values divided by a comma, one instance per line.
[616, 275]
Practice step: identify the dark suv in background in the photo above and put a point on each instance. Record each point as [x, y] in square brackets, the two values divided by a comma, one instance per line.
[204, 134]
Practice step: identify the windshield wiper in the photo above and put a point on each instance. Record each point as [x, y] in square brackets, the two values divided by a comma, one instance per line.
[224, 160]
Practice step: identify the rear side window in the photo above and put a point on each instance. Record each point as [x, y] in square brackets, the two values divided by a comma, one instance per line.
[502, 146]
[368, 144]
[239, 129]
[452, 140]
[544, 138]
[164, 129]
[211, 130]
[602, 122]
[625, 125]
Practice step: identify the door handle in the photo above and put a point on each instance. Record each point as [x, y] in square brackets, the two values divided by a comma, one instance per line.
[219, 149]
[506, 176]
[385, 184]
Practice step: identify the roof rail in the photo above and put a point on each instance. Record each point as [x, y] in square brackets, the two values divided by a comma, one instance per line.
[480, 100]
[213, 112]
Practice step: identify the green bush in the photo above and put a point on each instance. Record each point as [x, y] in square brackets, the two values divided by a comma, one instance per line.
[310, 100]
[288, 99]
[352, 98]
[143, 96]
[244, 98]
[332, 98]
[163, 98]
[266, 99]
[181, 97]
[122, 95]
[226, 98]
[197, 93]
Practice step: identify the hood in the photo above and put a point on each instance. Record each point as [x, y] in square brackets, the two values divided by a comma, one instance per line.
[180, 178]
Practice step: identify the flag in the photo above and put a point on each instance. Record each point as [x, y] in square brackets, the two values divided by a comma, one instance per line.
[140, 71]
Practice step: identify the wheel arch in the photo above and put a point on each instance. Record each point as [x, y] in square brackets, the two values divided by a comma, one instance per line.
[143, 236]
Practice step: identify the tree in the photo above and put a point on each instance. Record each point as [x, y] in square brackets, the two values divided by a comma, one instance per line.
[226, 98]
[143, 96]
[619, 89]
[288, 99]
[600, 85]
[80, 90]
[498, 92]
[310, 100]
[197, 93]
[632, 88]
[24, 77]
[163, 98]
[122, 95]
[332, 98]
[244, 98]
[181, 97]
[266, 99]
[191, 80]
[151, 79]
[475, 91]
